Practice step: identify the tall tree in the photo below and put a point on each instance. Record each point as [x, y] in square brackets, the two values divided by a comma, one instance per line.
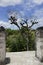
[23, 27]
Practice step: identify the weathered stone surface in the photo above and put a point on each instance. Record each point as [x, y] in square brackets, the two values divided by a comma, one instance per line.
[39, 43]
[2, 44]
[22, 58]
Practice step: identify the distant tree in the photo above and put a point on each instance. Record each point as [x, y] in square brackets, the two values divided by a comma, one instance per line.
[24, 27]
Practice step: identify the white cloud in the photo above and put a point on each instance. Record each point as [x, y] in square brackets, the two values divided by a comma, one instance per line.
[38, 1]
[40, 23]
[7, 25]
[29, 4]
[19, 20]
[9, 2]
[22, 13]
[38, 13]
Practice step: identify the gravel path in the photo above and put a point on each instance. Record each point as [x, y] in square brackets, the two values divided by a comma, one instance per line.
[22, 58]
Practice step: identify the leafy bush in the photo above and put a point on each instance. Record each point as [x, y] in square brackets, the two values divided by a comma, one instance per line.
[15, 41]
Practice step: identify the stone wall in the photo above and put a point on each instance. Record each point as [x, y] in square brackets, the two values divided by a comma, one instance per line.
[39, 43]
[2, 45]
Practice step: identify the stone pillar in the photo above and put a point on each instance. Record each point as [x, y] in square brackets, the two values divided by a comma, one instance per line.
[2, 44]
[39, 43]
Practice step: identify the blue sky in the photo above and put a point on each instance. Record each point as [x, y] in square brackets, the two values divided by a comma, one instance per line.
[25, 9]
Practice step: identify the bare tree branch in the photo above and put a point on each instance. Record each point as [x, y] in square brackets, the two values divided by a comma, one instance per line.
[13, 21]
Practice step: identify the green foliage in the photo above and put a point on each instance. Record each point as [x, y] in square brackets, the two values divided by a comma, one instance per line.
[29, 36]
[32, 41]
[16, 42]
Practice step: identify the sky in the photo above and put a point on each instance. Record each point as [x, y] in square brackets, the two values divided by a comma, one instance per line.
[24, 8]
